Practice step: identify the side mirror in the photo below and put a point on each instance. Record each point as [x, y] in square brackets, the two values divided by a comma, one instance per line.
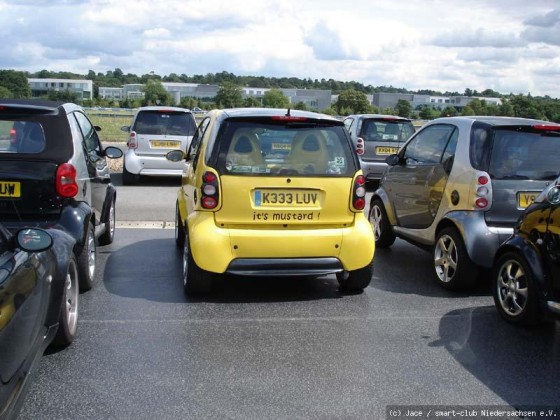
[97, 128]
[33, 240]
[175, 156]
[113, 152]
[553, 195]
[392, 160]
[125, 128]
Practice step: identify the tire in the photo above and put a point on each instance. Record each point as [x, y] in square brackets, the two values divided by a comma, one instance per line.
[196, 281]
[109, 235]
[128, 178]
[514, 290]
[86, 256]
[357, 280]
[179, 229]
[68, 317]
[382, 229]
[453, 267]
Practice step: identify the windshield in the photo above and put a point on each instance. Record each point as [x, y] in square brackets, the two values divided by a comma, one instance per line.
[249, 148]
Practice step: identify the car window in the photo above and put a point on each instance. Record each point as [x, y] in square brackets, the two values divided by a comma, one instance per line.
[524, 155]
[451, 145]
[197, 140]
[386, 130]
[91, 140]
[348, 123]
[164, 122]
[429, 144]
[253, 148]
[21, 137]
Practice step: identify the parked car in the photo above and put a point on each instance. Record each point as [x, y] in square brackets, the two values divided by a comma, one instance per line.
[156, 130]
[38, 305]
[375, 137]
[526, 275]
[458, 186]
[54, 173]
[297, 209]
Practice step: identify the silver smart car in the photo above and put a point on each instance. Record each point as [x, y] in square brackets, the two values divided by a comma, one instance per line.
[459, 185]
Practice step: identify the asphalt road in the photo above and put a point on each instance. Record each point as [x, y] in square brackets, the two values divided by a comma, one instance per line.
[281, 349]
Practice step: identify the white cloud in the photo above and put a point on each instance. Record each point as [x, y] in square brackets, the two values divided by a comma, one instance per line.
[442, 45]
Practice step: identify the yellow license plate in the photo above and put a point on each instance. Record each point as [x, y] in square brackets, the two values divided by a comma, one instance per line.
[381, 150]
[524, 199]
[10, 189]
[165, 144]
[287, 198]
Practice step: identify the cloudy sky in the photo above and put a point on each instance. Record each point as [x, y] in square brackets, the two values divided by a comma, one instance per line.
[511, 46]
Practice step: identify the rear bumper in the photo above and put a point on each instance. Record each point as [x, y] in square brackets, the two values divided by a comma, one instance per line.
[280, 252]
[150, 165]
[279, 267]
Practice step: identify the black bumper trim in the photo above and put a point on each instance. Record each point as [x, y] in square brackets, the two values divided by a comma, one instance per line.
[279, 267]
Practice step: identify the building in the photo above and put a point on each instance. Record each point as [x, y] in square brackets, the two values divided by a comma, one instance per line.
[389, 100]
[41, 87]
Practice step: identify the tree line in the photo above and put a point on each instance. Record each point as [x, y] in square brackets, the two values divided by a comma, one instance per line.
[352, 97]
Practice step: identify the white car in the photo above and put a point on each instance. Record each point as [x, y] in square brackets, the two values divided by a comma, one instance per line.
[156, 130]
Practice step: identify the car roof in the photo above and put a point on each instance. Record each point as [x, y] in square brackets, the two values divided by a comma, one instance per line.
[41, 104]
[496, 120]
[163, 108]
[274, 112]
[381, 116]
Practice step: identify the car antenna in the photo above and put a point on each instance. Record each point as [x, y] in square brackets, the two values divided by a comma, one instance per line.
[288, 113]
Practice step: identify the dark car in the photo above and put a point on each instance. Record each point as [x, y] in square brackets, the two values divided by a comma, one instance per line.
[376, 136]
[38, 305]
[526, 275]
[458, 186]
[54, 173]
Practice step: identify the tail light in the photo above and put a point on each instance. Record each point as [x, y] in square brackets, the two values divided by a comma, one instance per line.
[482, 192]
[359, 193]
[132, 140]
[210, 190]
[13, 136]
[360, 146]
[66, 184]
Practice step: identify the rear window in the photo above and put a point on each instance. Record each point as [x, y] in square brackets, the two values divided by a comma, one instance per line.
[259, 148]
[386, 130]
[524, 155]
[515, 152]
[21, 137]
[164, 123]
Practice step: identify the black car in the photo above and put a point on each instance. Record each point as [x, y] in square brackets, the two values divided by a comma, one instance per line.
[526, 274]
[38, 305]
[54, 173]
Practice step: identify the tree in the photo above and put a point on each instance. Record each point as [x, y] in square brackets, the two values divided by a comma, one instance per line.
[5, 93]
[449, 111]
[428, 113]
[155, 94]
[467, 111]
[274, 98]
[251, 102]
[229, 95]
[403, 108]
[351, 101]
[16, 82]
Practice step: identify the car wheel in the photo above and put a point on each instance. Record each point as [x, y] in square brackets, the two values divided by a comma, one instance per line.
[68, 317]
[109, 235]
[179, 229]
[356, 280]
[86, 256]
[453, 266]
[196, 281]
[383, 232]
[514, 290]
[128, 178]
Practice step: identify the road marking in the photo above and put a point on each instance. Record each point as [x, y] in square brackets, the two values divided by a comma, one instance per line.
[145, 225]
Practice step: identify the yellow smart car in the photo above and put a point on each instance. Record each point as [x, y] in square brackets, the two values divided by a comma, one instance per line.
[272, 192]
